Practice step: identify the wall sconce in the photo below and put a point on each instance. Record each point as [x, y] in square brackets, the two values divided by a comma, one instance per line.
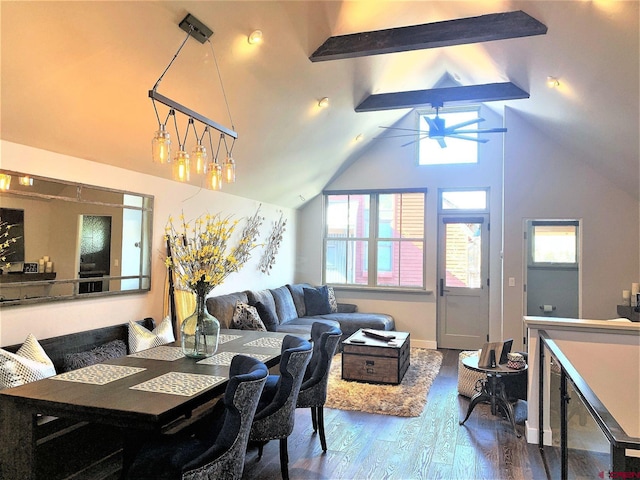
[255, 37]
[324, 102]
[552, 82]
[161, 146]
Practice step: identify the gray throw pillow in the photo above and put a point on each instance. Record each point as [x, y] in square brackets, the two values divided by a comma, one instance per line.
[316, 301]
[113, 349]
[268, 319]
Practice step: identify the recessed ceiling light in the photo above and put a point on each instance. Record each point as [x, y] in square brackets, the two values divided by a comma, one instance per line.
[324, 102]
[552, 82]
[255, 37]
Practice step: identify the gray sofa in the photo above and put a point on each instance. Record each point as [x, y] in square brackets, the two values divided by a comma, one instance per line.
[287, 305]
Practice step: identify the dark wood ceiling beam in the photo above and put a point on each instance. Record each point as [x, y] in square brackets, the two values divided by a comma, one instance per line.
[491, 92]
[485, 28]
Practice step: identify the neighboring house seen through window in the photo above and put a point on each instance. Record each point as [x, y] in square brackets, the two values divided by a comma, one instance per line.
[375, 238]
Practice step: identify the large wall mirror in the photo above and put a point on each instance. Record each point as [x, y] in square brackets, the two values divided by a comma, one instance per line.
[73, 241]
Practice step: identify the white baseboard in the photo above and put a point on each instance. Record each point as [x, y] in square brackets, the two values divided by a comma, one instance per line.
[532, 434]
[430, 344]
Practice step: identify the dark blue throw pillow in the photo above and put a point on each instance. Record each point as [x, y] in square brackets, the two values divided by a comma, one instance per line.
[316, 300]
[267, 317]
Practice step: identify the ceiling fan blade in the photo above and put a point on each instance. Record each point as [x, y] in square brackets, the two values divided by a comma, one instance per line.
[416, 140]
[431, 123]
[466, 137]
[488, 130]
[464, 124]
[403, 135]
[399, 128]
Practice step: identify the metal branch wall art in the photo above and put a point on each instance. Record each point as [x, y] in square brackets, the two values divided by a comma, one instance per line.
[273, 244]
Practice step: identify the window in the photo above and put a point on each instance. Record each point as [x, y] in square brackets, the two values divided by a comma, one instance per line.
[554, 242]
[375, 239]
[463, 200]
[457, 151]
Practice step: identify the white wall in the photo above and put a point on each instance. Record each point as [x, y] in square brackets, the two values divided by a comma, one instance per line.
[389, 165]
[171, 198]
[544, 181]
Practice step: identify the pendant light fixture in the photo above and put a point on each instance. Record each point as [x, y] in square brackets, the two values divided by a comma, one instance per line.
[200, 160]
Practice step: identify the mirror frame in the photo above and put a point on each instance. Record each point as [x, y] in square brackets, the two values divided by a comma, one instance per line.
[46, 280]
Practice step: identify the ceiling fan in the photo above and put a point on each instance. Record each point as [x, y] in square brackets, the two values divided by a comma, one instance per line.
[439, 131]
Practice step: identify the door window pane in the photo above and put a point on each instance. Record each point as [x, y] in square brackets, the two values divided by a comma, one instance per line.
[463, 254]
[555, 243]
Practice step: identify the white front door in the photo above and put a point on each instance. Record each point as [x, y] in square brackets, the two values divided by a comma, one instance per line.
[463, 287]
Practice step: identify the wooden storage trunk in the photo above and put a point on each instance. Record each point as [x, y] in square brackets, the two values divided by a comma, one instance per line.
[375, 361]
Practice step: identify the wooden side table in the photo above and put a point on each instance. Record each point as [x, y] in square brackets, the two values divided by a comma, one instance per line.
[493, 389]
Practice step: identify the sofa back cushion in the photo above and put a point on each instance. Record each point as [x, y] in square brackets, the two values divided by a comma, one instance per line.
[264, 297]
[223, 306]
[297, 293]
[285, 308]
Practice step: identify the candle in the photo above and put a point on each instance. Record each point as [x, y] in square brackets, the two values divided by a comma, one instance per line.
[49, 267]
[46, 258]
[635, 289]
[626, 297]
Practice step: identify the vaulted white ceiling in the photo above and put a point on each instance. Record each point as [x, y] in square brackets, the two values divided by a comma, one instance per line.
[76, 76]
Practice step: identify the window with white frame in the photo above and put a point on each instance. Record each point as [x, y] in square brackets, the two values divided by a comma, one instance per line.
[457, 150]
[554, 242]
[375, 238]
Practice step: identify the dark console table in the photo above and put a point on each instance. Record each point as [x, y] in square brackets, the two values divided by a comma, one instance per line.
[26, 277]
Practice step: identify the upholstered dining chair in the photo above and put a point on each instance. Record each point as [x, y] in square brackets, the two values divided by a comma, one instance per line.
[274, 419]
[216, 446]
[313, 391]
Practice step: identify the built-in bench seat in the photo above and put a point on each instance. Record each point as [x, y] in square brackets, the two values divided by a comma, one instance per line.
[60, 440]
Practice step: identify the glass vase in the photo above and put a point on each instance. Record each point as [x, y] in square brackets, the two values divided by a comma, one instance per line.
[200, 331]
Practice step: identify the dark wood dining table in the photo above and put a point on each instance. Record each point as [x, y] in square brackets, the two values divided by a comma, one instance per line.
[142, 401]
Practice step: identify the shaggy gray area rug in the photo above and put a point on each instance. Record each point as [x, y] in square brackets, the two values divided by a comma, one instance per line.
[405, 400]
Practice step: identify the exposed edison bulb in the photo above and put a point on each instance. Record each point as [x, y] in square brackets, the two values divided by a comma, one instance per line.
[230, 170]
[199, 158]
[255, 37]
[214, 176]
[5, 181]
[181, 171]
[161, 146]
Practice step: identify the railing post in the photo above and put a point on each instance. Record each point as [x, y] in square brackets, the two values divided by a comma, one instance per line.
[564, 401]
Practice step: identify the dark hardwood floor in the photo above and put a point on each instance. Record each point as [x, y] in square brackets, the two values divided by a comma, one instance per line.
[366, 446]
[432, 446]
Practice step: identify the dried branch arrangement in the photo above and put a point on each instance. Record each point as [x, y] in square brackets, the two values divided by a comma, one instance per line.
[273, 244]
